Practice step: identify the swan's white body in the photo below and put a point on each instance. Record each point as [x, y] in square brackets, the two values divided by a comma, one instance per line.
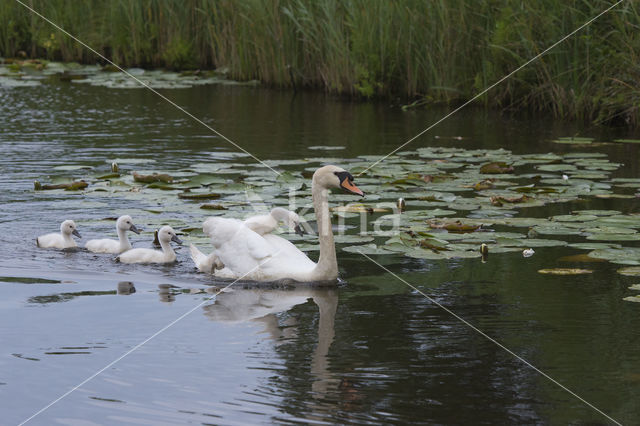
[142, 255]
[62, 240]
[124, 224]
[248, 255]
[262, 224]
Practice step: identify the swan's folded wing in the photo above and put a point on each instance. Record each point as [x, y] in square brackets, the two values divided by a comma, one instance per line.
[221, 229]
[289, 252]
[257, 247]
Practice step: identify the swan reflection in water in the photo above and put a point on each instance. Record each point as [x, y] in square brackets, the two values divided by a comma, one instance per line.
[262, 305]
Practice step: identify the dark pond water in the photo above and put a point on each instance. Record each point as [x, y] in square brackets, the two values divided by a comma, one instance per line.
[370, 350]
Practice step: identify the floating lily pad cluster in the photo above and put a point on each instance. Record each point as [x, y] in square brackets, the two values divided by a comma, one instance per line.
[455, 200]
[26, 73]
[458, 199]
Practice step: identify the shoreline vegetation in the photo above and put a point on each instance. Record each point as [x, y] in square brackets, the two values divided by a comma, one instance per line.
[421, 52]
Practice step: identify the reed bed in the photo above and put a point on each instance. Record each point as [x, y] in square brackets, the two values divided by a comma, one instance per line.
[419, 50]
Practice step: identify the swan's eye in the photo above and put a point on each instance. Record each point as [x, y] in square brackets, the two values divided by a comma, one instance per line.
[344, 176]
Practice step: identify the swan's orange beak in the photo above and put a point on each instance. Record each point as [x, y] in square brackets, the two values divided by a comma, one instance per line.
[348, 186]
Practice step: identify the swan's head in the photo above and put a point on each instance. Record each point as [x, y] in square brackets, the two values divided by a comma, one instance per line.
[336, 177]
[291, 219]
[69, 227]
[166, 234]
[126, 224]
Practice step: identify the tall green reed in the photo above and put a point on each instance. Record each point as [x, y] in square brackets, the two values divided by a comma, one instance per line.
[429, 50]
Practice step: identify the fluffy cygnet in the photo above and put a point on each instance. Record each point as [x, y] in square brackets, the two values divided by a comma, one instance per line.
[144, 255]
[124, 224]
[63, 239]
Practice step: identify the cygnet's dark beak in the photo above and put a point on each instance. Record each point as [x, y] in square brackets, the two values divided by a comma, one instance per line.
[135, 229]
[175, 239]
[76, 233]
[299, 230]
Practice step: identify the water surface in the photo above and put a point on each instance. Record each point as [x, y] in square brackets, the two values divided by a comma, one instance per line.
[369, 350]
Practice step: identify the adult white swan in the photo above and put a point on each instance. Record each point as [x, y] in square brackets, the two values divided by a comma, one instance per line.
[247, 255]
[261, 224]
[106, 245]
[166, 234]
[63, 239]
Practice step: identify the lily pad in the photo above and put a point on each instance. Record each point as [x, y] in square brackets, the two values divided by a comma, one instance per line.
[623, 255]
[359, 208]
[556, 167]
[565, 271]
[627, 140]
[580, 258]
[350, 239]
[574, 140]
[367, 249]
[71, 168]
[632, 271]
[596, 212]
[574, 218]
[70, 186]
[614, 237]
[594, 246]
[496, 167]
[453, 226]
[199, 195]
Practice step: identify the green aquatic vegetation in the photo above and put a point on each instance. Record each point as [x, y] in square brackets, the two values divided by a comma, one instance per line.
[627, 140]
[571, 140]
[213, 207]
[621, 255]
[596, 212]
[155, 177]
[413, 50]
[466, 211]
[368, 249]
[574, 218]
[580, 258]
[631, 271]
[556, 229]
[610, 230]
[29, 280]
[565, 271]
[69, 186]
[594, 246]
[109, 176]
[453, 226]
[496, 167]
[556, 167]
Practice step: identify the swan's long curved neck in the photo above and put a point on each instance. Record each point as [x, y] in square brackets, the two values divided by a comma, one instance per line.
[167, 250]
[123, 238]
[66, 236]
[327, 266]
